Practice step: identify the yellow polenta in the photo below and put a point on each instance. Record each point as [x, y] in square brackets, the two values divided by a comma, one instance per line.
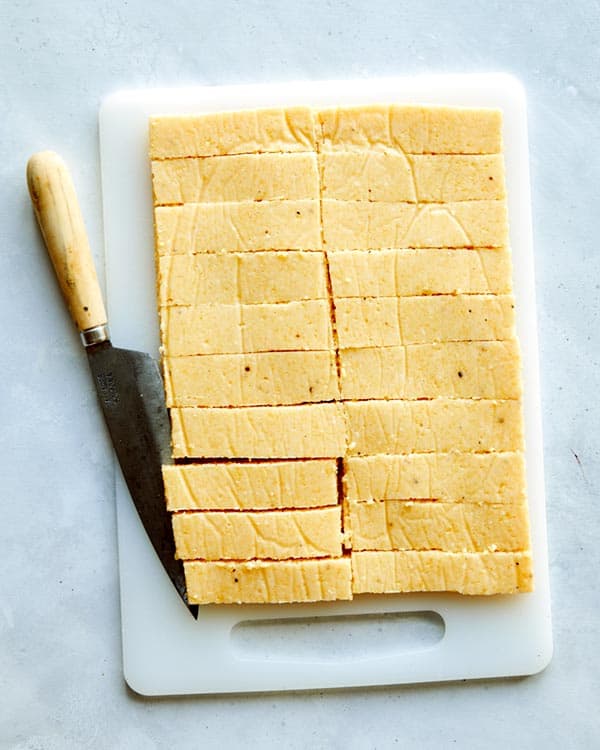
[339, 352]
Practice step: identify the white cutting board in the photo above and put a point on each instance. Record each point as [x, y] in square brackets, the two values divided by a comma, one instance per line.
[373, 640]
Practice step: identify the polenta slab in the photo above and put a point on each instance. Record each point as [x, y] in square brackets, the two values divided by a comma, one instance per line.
[337, 328]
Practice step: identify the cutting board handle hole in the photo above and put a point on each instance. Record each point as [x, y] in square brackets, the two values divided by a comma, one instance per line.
[339, 638]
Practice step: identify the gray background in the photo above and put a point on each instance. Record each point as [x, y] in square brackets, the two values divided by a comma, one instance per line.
[61, 685]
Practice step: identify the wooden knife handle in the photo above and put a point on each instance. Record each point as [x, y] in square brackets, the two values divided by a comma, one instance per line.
[59, 216]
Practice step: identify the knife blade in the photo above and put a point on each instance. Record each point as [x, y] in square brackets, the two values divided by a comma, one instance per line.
[128, 383]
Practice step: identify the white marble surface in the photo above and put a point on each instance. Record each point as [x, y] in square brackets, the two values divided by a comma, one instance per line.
[61, 685]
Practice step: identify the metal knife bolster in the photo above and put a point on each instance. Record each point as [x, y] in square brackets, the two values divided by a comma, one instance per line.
[95, 335]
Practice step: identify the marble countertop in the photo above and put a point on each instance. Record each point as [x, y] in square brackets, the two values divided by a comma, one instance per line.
[60, 659]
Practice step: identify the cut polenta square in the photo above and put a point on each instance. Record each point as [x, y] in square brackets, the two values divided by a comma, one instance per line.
[362, 225]
[428, 524]
[240, 226]
[246, 177]
[247, 535]
[244, 278]
[399, 321]
[449, 369]
[268, 581]
[387, 176]
[302, 431]
[246, 132]
[497, 477]
[303, 325]
[412, 129]
[474, 573]
[434, 426]
[411, 272]
[259, 379]
[267, 485]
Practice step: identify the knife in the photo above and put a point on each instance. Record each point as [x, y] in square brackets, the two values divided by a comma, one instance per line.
[129, 384]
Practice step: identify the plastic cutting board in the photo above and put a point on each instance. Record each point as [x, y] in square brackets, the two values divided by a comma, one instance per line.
[373, 640]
